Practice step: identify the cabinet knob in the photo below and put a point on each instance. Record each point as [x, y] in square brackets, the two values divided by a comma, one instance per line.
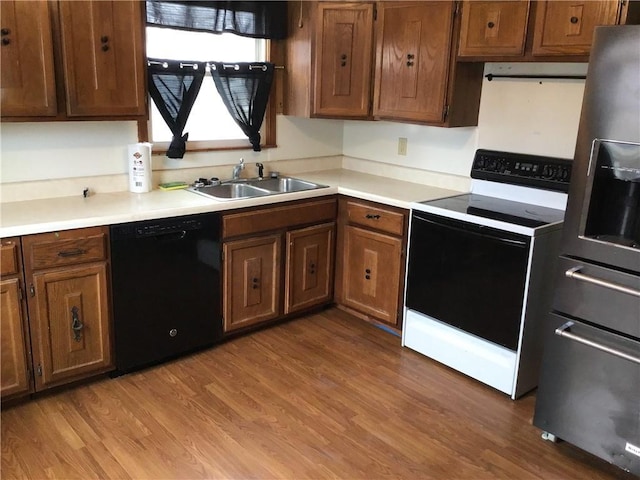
[6, 41]
[105, 47]
[410, 56]
[104, 39]
[5, 31]
[574, 20]
[343, 56]
[368, 270]
[368, 277]
[491, 24]
[76, 324]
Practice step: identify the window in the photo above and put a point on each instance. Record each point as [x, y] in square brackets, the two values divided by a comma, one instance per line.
[209, 126]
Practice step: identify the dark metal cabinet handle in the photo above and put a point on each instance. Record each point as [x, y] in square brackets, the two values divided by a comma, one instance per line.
[5, 31]
[577, 275]
[255, 283]
[72, 253]
[565, 331]
[491, 24]
[105, 47]
[6, 41]
[76, 324]
[312, 268]
[372, 217]
[104, 39]
[410, 57]
[573, 20]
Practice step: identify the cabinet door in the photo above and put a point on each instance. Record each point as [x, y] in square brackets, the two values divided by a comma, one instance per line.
[309, 267]
[493, 28]
[344, 52]
[251, 281]
[15, 374]
[566, 28]
[372, 265]
[70, 325]
[27, 72]
[102, 51]
[413, 52]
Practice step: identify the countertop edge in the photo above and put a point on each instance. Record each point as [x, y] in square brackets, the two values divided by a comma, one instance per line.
[131, 207]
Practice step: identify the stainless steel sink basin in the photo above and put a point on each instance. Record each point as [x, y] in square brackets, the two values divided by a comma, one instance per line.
[231, 191]
[285, 184]
[254, 187]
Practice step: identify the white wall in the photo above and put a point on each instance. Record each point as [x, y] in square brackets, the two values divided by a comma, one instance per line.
[527, 116]
[519, 115]
[55, 150]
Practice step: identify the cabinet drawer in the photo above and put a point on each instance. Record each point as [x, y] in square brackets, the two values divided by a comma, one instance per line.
[276, 218]
[9, 256]
[592, 292]
[376, 218]
[65, 248]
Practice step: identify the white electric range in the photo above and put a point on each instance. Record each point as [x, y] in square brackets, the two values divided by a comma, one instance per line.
[479, 268]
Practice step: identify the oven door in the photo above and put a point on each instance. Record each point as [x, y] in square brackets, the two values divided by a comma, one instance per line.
[468, 276]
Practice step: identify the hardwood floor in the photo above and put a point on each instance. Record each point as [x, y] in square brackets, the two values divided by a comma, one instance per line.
[326, 396]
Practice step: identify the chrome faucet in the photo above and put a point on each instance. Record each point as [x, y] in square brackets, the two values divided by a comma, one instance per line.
[237, 169]
[260, 170]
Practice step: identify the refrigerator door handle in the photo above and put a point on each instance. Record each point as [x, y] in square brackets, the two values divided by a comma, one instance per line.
[575, 274]
[565, 331]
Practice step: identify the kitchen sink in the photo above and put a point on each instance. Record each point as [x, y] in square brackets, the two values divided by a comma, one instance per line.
[230, 191]
[285, 184]
[254, 187]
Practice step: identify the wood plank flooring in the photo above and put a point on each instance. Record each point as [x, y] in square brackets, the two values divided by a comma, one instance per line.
[326, 396]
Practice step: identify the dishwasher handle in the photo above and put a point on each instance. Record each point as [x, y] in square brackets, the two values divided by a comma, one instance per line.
[169, 236]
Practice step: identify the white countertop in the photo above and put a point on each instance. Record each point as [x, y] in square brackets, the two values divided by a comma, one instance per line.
[64, 213]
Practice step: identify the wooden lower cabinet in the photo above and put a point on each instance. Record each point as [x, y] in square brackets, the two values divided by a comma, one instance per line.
[15, 349]
[277, 260]
[372, 266]
[70, 326]
[14, 356]
[309, 267]
[251, 281]
[66, 274]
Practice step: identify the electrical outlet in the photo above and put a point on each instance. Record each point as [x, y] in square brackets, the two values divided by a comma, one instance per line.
[402, 146]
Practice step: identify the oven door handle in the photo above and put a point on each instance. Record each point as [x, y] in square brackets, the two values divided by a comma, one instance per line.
[476, 231]
[575, 274]
[565, 332]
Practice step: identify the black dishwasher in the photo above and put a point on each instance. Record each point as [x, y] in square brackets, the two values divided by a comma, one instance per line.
[166, 288]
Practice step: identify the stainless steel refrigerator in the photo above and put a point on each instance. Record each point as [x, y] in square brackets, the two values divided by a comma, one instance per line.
[589, 390]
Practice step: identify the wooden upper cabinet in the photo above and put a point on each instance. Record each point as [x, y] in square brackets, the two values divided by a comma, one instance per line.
[413, 60]
[102, 53]
[493, 28]
[335, 49]
[566, 28]
[417, 78]
[27, 67]
[344, 54]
